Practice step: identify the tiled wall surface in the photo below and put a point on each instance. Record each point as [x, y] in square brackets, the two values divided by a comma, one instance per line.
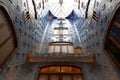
[31, 36]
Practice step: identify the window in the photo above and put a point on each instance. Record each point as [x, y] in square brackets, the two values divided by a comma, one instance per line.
[89, 10]
[60, 73]
[112, 41]
[61, 31]
[26, 16]
[32, 10]
[86, 13]
[82, 5]
[79, 4]
[61, 47]
[43, 4]
[95, 16]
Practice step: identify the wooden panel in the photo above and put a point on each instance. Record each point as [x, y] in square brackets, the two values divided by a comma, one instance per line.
[90, 58]
[6, 50]
[51, 49]
[117, 44]
[4, 34]
[117, 24]
[78, 50]
[7, 37]
[66, 69]
[2, 17]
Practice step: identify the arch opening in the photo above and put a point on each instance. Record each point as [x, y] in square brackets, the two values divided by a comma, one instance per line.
[8, 40]
[112, 40]
[60, 73]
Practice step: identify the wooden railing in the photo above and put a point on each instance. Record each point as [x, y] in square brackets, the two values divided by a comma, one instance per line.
[60, 57]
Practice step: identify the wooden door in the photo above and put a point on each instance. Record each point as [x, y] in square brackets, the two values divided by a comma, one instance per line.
[7, 37]
[112, 41]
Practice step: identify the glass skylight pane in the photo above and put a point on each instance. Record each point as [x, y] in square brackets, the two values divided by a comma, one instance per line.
[61, 8]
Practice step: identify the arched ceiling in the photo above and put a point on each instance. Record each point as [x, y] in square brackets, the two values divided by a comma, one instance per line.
[61, 8]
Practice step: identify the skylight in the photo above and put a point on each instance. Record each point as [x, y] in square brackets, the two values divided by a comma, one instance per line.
[61, 8]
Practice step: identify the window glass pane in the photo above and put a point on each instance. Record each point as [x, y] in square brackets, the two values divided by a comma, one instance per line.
[31, 9]
[54, 69]
[77, 77]
[115, 33]
[116, 30]
[118, 18]
[66, 69]
[61, 32]
[90, 10]
[66, 77]
[51, 49]
[64, 49]
[43, 77]
[54, 77]
[70, 49]
[114, 50]
[56, 32]
[57, 49]
[65, 31]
